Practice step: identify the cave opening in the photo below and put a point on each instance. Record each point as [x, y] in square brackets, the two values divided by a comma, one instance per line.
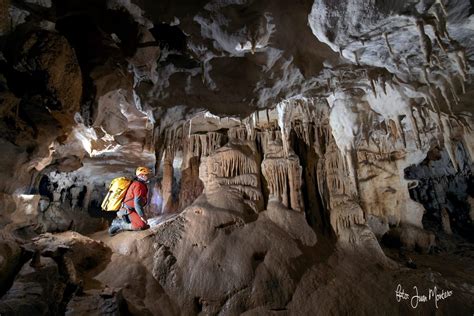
[169, 36]
[191, 186]
[85, 36]
[45, 187]
[81, 197]
[316, 214]
[444, 190]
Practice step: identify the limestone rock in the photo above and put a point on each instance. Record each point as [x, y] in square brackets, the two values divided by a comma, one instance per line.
[141, 291]
[95, 302]
[283, 175]
[411, 238]
[85, 253]
[297, 157]
[193, 250]
[36, 290]
[10, 260]
[233, 168]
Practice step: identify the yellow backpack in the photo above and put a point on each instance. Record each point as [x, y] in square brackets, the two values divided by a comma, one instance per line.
[117, 191]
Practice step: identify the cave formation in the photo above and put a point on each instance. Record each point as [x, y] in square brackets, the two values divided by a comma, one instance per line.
[311, 157]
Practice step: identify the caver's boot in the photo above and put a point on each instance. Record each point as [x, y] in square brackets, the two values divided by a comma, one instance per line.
[118, 225]
[115, 227]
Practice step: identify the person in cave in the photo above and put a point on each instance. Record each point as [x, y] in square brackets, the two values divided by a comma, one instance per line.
[131, 215]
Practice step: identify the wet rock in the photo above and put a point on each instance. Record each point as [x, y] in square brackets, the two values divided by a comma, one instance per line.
[84, 253]
[140, 289]
[10, 260]
[36, 291]
[98, 302]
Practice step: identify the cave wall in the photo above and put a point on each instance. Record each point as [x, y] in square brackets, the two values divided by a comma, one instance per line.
[286, 138]
[445, 190]
[331, 132]
[364, 187]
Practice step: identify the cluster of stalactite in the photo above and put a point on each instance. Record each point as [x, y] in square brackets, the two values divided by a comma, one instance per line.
[262, 157]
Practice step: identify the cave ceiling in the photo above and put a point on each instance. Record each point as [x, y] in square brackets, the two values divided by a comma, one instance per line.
[136, 69]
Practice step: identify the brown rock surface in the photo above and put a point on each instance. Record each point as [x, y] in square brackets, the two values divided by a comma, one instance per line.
[339, 167]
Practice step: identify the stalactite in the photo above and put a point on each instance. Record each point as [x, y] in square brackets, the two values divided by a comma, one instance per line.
[442, 89]
[248, 126]
[451, 86]
[239, 133]
[302, 131]
[351, 167]
[448, 144]
[382, 85]
[440, 17]
[468, 143]
[461, 82]
[167, 181]
[460, 66]
[436, 30]
[284, 117]
[203, 140]
[442, 6]
[416, 130]
[283, 176]
[425, 42]
[463, 61]
[431, 97]
[372, 85]
[233, 165]
[387, 43]
[398, 123]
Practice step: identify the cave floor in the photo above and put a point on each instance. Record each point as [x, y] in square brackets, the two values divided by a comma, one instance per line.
[446, 271]
[439, 282]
